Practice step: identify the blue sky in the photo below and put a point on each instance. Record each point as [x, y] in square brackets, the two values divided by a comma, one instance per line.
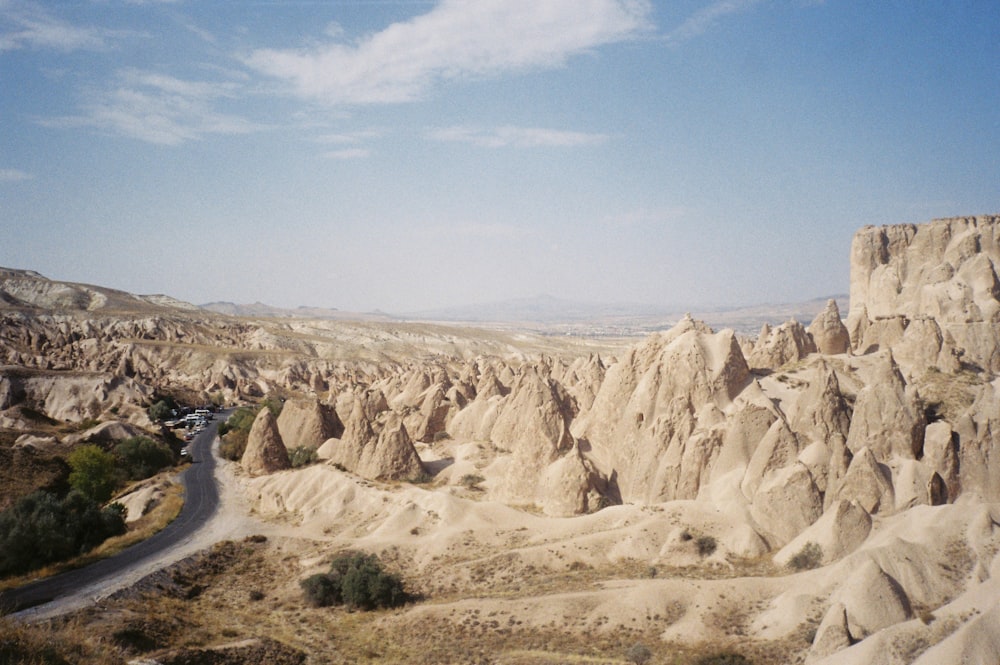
[372, 154]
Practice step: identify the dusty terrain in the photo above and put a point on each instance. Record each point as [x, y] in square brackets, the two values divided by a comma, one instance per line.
[821, 493]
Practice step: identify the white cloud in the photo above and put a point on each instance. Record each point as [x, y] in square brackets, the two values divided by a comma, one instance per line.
[27, 25]
[521, 137]
[703, 20]
[456, 39]
[14, 175]
[157, 108]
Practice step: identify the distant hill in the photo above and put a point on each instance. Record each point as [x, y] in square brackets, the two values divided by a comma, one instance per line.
[537, 309]
[259, 309]
[625, 318]
[29, 289]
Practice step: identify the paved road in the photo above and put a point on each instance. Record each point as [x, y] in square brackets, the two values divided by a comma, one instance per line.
[201, 499]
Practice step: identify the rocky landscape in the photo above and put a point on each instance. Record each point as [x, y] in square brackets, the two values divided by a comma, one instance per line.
[822, 492]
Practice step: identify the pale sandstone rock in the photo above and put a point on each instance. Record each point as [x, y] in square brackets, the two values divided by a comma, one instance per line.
[872, 600]
[941, 455]
[828, 331]
[916, 484]
[888, 418]
[265, 452]
[979, 438]
[306, 422]
[945, 270]
[392, 456]
[787, 343]
[867, 482]
[777, 449]
[786, 502]
[839, 531]
[651, 403]
[832, 635]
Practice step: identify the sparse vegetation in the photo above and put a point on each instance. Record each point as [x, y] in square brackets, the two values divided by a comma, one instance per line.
[302, 456]
[471, 481]
[809, 557]
[725, 659]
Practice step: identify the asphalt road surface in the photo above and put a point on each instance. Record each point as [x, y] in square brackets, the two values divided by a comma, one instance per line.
[201, 499]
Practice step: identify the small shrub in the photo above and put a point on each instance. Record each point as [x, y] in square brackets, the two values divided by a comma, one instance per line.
[809, 557]
[256, 595]
[302, 456]
[422, 478]
[706, 545]
[471, 481]
[638, 653]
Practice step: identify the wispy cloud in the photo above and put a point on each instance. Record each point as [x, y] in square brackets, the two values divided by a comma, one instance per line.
[703, 20]
[456, 39]
[157, 108]
[14, 175]
[521, 137]
[29, 25]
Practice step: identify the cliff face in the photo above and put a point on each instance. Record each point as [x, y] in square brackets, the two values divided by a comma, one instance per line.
[943, 274]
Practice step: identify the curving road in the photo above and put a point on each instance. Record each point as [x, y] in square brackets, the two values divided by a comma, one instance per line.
[201, 500]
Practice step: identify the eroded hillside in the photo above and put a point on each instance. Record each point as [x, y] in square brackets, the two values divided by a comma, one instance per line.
[819, 493]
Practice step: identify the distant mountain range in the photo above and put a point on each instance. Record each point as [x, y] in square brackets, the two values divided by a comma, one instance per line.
[547, 312]
[544, 313]
[259, 309]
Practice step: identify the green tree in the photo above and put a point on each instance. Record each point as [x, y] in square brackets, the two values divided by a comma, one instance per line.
[94, 472]
[141, 457]
[40, 529]
[159, 411]
[356, 580]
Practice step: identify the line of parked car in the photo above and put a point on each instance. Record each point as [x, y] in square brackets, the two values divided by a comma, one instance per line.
[191, 421]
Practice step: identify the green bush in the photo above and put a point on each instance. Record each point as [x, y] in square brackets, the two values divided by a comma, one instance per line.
[302, 456]
[321, 590]
[356, 580]
[810, 556]
[41, 528]
[94, 472]
[141, 457]
[159, 411]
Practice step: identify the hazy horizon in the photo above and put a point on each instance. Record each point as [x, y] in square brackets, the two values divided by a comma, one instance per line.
[411, 156]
